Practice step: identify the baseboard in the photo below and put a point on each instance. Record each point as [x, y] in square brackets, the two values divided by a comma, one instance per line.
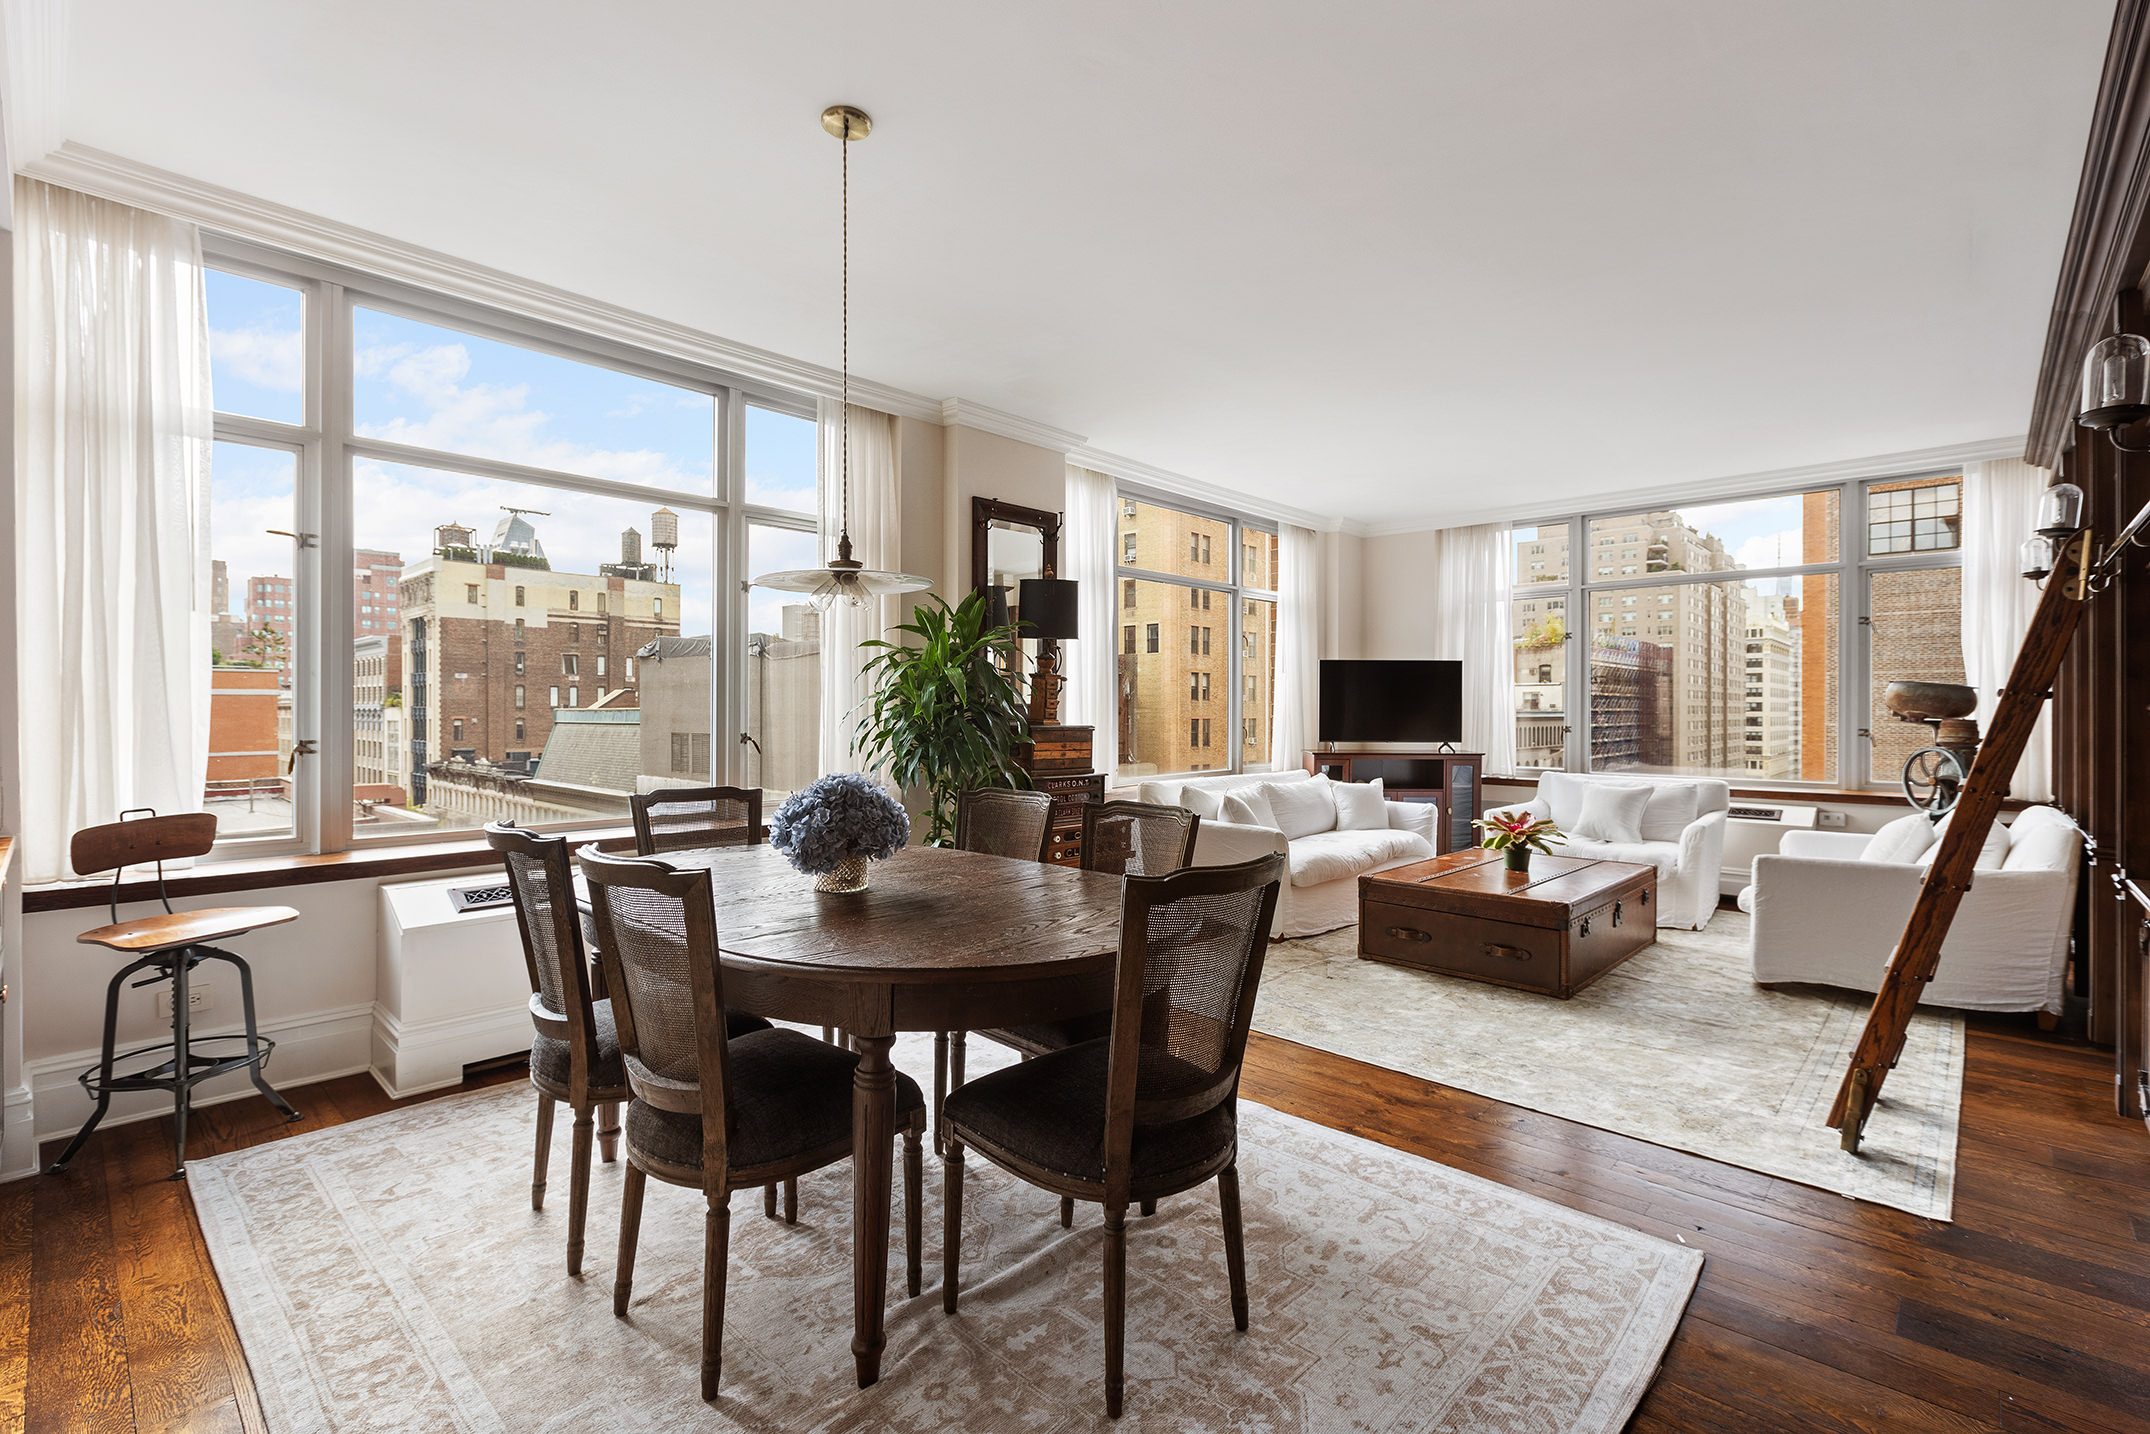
[314, 1047]
[18, 1149]
[412, 1057]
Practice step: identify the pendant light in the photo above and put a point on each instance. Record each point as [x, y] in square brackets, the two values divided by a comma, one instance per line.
[844, 580]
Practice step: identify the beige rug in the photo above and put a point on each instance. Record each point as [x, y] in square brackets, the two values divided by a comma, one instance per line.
[1678, 1047]
[389, 1275]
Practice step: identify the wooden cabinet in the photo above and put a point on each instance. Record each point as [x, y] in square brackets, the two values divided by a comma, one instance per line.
[1058, 760]
[1448, 780]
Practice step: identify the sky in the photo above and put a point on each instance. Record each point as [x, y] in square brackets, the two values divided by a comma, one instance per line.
[438, 388]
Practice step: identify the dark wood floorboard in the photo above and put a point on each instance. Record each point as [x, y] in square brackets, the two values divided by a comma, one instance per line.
[1814, 1313]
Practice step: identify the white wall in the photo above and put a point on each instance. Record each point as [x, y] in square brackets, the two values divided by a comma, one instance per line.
[1396, 593]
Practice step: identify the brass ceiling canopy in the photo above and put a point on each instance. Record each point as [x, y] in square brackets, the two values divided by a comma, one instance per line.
[847, 121]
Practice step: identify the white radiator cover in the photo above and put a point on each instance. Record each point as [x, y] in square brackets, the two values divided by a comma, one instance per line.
[1748, 836]
[450, 988]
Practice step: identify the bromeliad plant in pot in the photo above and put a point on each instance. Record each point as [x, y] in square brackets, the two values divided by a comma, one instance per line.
[945, 713]
[1516, 837]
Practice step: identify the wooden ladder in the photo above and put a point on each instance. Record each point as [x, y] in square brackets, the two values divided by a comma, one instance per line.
[1918, 951]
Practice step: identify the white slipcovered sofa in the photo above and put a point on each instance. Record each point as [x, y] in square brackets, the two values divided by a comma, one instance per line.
[1828, 908]
[1681, 834]
[1326, 864]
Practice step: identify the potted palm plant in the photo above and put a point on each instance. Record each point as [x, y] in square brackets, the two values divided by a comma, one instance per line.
[1516, 837]
[945, 714]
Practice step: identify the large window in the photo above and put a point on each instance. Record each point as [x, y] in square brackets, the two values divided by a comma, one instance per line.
[1212, 592]
[469, 567]
[1738, 639]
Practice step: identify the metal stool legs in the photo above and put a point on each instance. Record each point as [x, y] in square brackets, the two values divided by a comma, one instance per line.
[185, 1069]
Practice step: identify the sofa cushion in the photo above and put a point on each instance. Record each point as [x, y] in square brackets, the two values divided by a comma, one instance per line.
[1205, 802]
[2043, 839]
[1612, 811]
[1672, 810]
[1663, 855]
[1992, 852]
[1249, 807]
[1331, 856]
[1167, 792]
[1303, 808]
[1901, 841]
[1360, 806]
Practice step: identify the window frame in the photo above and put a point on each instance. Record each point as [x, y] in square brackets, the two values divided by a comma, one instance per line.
[1853, 568]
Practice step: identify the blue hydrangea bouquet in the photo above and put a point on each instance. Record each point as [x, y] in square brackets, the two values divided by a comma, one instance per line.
[833, 826]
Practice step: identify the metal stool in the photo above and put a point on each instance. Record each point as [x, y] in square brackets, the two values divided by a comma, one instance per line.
[171, 946]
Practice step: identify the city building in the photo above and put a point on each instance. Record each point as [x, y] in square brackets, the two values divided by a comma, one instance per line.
[272, 620]
[784, 704]
[378, 756]
[1770, 660]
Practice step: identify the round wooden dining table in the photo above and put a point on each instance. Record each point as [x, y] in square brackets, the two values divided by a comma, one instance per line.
[941, 940]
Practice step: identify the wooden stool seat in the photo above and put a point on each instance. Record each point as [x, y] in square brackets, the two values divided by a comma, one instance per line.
[186, 928]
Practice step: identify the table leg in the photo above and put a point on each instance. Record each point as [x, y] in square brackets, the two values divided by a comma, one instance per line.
[873, 1132]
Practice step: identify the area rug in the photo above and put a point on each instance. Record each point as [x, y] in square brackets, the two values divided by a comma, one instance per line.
[389, 1275]
[1678, 1047]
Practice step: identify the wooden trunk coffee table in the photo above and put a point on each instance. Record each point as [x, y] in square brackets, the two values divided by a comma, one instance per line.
[1553, 929]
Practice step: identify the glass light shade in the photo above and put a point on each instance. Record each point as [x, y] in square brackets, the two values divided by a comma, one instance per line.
[838, 585]
[2060, 510]
[2116, 382]
[2037, 557]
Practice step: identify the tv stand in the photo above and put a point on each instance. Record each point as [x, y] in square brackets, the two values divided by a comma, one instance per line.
[1447, 778]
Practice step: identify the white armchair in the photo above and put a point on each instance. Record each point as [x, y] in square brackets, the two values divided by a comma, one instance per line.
[1682, 835]
[1827, 912]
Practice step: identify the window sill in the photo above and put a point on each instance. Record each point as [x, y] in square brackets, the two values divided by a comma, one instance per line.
[272, 873]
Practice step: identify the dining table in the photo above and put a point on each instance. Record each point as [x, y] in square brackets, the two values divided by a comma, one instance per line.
[940, 940]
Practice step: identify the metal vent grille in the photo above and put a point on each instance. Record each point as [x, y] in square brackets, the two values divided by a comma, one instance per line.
[477, 898]
[1757, 814]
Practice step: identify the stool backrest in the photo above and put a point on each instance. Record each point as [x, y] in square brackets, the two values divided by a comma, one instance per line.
[145, 839]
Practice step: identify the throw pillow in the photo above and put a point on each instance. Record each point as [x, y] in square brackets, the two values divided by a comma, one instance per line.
[1360, 806]
[1901, 841]
[1992, 852]
[1249, 808]
[1302, 808]
[1205, 802]
[1672, 810]
[1612, 811]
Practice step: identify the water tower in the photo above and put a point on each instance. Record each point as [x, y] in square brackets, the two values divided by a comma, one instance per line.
[664, 537]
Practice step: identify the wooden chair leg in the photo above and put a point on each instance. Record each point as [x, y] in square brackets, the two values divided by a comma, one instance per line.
[1115, 1308]
[544, 1151]
[1067, 1212]
[1235, 1253]
[608, 1131]
[913, 1215]
[791, 1201]
[578, 1195]
[768, 1200]
[716, 1257]
[1149, 1207]
[940, 1087]
[630, 1232]
[951, 1221]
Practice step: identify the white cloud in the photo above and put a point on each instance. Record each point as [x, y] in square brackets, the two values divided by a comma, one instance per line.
[270, 358]
[1771, 550]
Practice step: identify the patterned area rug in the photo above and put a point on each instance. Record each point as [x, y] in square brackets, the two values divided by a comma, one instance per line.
[1678, 1047]
[390, 1275]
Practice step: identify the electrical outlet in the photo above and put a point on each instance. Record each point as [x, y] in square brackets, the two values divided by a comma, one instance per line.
[200, 1000]
[1827, 818]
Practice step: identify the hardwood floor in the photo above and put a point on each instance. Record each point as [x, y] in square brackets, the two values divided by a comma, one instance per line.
[1814, 1313]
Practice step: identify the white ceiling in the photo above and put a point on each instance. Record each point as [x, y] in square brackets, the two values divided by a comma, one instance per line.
[1377, 261]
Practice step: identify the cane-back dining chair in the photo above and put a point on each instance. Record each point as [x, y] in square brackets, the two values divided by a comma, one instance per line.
[713, 1111]
[1150, 1109]
[996, 821]
[682, 818]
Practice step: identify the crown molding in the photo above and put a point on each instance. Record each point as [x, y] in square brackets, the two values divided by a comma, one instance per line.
[242, 216]
[1164, 480]
[1846, 470]
[962, 411]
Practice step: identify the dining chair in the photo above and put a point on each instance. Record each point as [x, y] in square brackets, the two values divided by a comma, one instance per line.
[1150, 1109]
[679, 818]
[169, 947]
[997, 821]
[1120, 839]
[715, 1111]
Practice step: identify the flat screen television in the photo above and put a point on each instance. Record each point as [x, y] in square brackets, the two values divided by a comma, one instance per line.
[1391, 701]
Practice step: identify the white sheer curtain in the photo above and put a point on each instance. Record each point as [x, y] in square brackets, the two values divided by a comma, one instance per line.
[112, 435]
[1298, 683]
[876, 516]
[2000, 502]
[1091, 663]
[1470, 625]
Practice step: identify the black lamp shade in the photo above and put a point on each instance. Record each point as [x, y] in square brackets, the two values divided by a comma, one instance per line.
[1047, 607]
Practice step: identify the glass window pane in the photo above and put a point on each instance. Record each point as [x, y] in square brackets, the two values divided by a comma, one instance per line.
[1541, 630]
[1541, 554]
[1724, 679]
[253, 639]
[1783, 532]
[595, 584]
[783, 669]
[1257, 684]
[257, 360]
[434, 387]
[1921, 515]
[1174, 672]
[780, 463]
[1916, 636]
[1165, 540]
[1258, 559]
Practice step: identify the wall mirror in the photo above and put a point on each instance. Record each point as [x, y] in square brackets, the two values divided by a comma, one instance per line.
[1010, 543]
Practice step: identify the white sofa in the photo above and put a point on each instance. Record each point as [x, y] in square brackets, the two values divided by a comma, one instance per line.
[1829, 907]
[1325, 866]
[1682, 835]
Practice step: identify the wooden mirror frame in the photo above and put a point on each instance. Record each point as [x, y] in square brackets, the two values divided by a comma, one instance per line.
[984, 512]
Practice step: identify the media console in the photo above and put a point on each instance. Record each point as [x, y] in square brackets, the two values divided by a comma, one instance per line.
[1449, 780]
